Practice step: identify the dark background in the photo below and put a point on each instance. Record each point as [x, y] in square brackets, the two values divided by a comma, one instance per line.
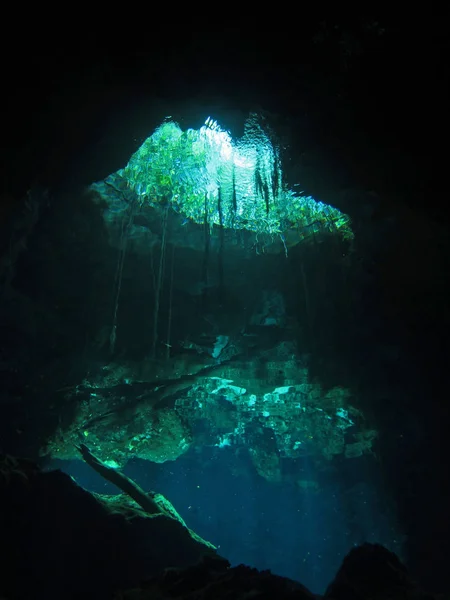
[362, 103]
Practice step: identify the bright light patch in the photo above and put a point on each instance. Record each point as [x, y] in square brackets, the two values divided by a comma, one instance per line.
[206, 175]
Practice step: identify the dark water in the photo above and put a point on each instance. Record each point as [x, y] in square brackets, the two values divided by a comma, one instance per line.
[300, 533]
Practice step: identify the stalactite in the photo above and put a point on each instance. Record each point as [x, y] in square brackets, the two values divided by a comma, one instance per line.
[169, 317]
[234, 192]
[119, 273]
[206, 251]
[159, 281]
[221, 244]
[276, 175]
[261, 187]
